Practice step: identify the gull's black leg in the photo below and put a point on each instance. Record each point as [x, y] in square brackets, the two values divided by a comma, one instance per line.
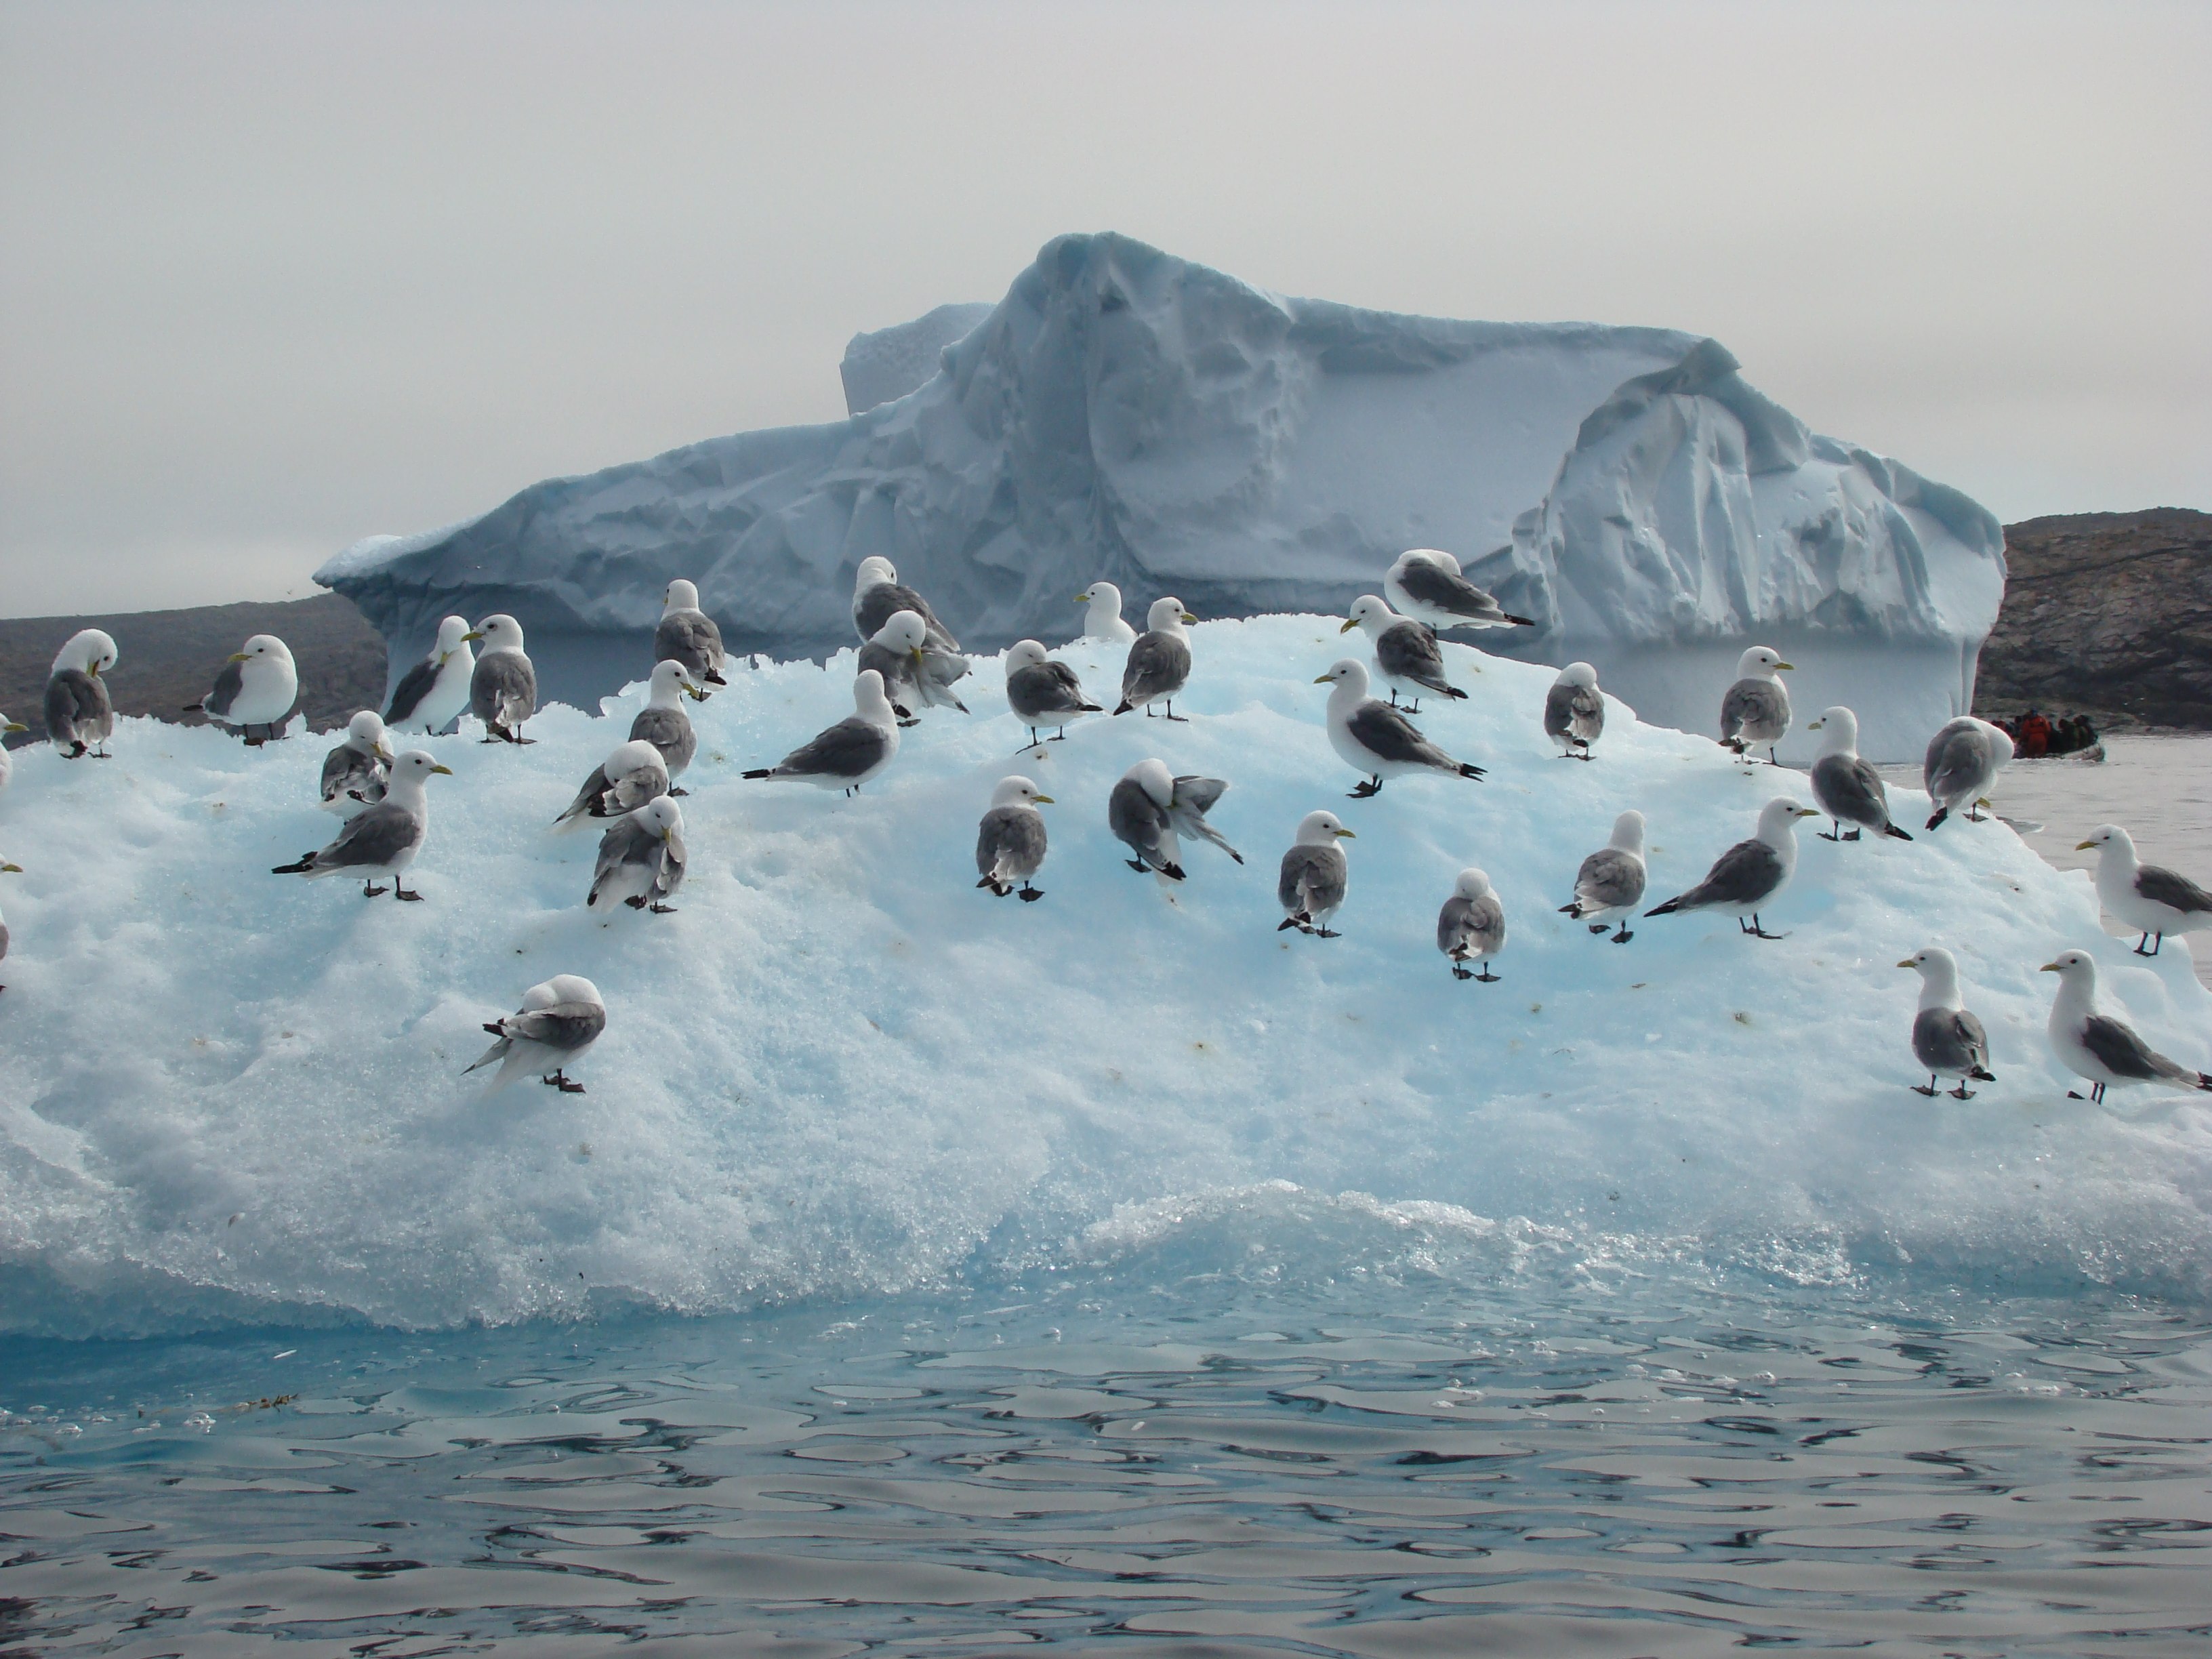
[1486, 976]
[1928, 1089]
[1371, 786]
[1138, 864]
[1182, 720]
[1031, 894]
[1623, 935]
[2097, 1093]
[400, 892]
[1460, 970]
[1849, 834]
[370, 889]
[1962, 1093]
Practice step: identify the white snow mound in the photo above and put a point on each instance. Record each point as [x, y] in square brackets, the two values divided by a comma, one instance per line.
[841, 1069]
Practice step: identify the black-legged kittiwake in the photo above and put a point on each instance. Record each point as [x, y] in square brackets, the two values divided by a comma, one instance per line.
[13, 870]
[1849, 790]
[642, 859]
[1407, 655]
[354, 773]
[632, 774]
[1946, 1038]
[1574, 711]
[7, 762]
[688, 635]
[1042, 692]
[79, 717]
[1471, 926]
[1756, 708]
[1610, 884]
[2098, 1047]
[1311, 883]
[1426, 584]
[1964, 759]
[382, 839]
[878, 592]
[847, 755]
[1159, 660]
[1750, 873]
[1150, 809]
[257, 686]
[1102, 619]
[916, 674]
[431, 694]
[1376, 739]
[1010, 842]
[557, 1023]
[2148, 897]
[503, 685]
[663, 723]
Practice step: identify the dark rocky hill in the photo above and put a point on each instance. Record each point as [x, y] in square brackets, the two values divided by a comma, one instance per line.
[170, 657]
[2107, 614]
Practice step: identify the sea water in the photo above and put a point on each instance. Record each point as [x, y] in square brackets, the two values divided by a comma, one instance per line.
[1263, 1421]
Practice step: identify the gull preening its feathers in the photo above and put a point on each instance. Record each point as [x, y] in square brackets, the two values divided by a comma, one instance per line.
[1150, 809]
[642, 859]
[354, 773]
[1610, 884]
[626, 780]
[556, 1024]
[257, 686]
[431, 695]
[1756, 708]
[663, 723]
[915, 674]
[80, 717]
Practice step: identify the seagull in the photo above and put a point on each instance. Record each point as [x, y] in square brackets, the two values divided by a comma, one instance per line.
[379, 838]
[1102, 620]
[1425, 584]
[79, 715]
[354, 773]
[558, 1021]
[876, 593]
[1610, 884]
[642, 859]
[1849, 790]
[1042, 692]
[663, 723]
[1150, 809]
[1406, 651]
[1756, 708]
[1375, 738]
[1159, 660]
[1010, 842]
[7, 764]
[915, 674]
[1946, 1039]
[2149, 898]
[689, 634]
[503, 686]
[2096, 1046]
[13, 870]
[1751, 872]
[625, 781]
[1574, 711]
[258, 686]
[847, 755]
[1310, 887]
[1963, 762]
[432, 693]
[1471, 927]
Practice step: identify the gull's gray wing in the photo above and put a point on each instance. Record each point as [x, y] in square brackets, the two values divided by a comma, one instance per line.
[1009, 843]
[1385, 732]
[1045, 691]
[594, 790]
[1408, 651]
[626, 842]
[847, 750]
[1756, 709]
[1950, 1040]
[1159, 666]
[1312, 880]
[1958, 760]
[372, 839]
[1747, 873]
[346, 768]
[414, 686]
[78, 708]
[2114, 1046]
[2163, 886]
[503, 688]
[668, 730]
[879, 603]
[567, 1026]
[1848, 788]
[691, 638]
[1431, 584]
[675, 861]
[1573, 711]
[1193, 799]
[1609, 878]
[1141, 824]
[227, 685]
[1466, 925]
[897, 668]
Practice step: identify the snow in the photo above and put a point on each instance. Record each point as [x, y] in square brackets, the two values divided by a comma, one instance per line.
[840, 1069]
[1124, 414]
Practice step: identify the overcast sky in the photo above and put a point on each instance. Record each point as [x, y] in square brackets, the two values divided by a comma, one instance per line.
[273, 277]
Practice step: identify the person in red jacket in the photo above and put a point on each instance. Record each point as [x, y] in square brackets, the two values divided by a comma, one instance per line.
[2034, 735]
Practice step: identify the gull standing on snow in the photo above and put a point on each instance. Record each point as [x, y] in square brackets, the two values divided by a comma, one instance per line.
[625, 781]
[6, 763]
[1150, 809]
[1311, 884]
[1426, 584]
[915, 674]
[1946, 1039]
[354, 773]
[1756, 708]
[383, 838]
[432, 693]
[1963, 762]
[14, 869]
[1407, 655]
[1010, 842]
[1850, 790]
[688, 635]
[2148, 897]
[558, 1021]
[1375, 738]
[1471, 927]
[847, 755]
[79, 715]
[1574, 711]
[2096, 1046]
[663, 723]
[1042, 692]
[1159, 660]
[1610, 884]
[1750, 873]
[642, 859]
[503, 685]
[1102, 620]
[257, 687]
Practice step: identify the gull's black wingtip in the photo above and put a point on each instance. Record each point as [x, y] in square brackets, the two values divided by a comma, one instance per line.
[1896, 834]
[759, 772]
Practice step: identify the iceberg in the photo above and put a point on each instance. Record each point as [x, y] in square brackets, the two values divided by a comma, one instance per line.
[1128, 416]
[841, 1071]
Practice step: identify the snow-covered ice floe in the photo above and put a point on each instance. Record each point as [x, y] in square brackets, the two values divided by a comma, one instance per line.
[1126, 416]
[841, 1068]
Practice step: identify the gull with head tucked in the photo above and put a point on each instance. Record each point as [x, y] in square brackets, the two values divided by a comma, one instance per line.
[79, 717]
[1426, 584]
[1042, 692]
[557, 1023]
[1963, 761]
[1574, 711]
[1610, 884]
[916, 675]
[1471, 927]
[642, 859]
[687, 635]
[354, 773]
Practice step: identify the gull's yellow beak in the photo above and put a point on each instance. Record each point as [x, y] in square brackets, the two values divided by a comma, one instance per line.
[384, 754]
[694, 692]
[241, 656]
[2050, 968]
[473, 634]
[1045, 800]
[1808, 811]
[94, 669]
[1908, 962]
[14, 726]
[1347, 834]
[1081, 599]
[1323, 679]
[1188, 617]
[16, 868]
[448, 770]
[1779, 666]
[2083, 846]
[1349, 624]
[1814, 726]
